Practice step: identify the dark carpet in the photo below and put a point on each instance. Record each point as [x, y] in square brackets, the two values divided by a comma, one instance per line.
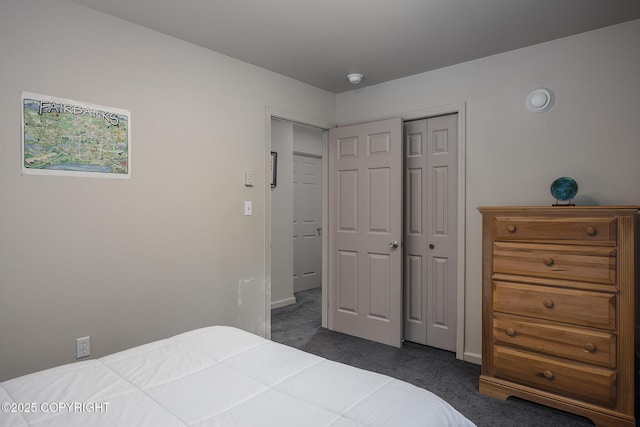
[299, 325]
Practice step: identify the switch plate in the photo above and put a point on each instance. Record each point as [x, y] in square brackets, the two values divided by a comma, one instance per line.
[83, 347]
[249, 178]
[248, 209]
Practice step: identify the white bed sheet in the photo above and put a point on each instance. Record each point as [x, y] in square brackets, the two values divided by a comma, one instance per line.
[217, 376]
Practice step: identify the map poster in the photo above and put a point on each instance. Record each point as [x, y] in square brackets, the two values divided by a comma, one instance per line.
[65, 137]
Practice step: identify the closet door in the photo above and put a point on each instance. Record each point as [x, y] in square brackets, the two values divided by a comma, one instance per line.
[431, 158]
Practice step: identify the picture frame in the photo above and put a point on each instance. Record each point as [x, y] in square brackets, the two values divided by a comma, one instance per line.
[67, 137]
[273, 167]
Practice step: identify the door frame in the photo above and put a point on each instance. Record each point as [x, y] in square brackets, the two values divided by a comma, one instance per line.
[277, 113]
[455, 108]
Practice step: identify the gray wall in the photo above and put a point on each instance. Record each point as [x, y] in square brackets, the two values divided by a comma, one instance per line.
[592, 133]
[131, 261]
[307, 140]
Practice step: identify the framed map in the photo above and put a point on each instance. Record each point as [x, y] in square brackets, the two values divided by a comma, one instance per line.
[66, 137]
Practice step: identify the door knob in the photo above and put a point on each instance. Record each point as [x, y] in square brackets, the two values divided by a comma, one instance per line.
[319, 230]
[431, 246]
[394, 244]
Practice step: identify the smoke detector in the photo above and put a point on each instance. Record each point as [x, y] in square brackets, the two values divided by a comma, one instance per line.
[354, 78]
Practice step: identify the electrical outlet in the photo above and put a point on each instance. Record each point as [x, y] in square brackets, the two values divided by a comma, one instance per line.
[83, 347]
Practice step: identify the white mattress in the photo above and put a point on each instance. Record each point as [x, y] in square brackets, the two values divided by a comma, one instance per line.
[217, 376]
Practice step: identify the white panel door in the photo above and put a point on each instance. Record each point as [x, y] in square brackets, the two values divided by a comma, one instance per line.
[365, 230]
[431, 158]
[307, 223]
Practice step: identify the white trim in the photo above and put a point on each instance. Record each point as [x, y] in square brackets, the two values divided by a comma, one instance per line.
[267, 228]
[325, 227]
[298, 288]
[473, 358]
[277, 113]
[283, 302]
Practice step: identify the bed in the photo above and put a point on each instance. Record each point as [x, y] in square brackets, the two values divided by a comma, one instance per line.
[217, 376]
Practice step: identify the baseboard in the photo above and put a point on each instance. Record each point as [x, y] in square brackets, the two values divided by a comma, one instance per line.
[472, 358]
[283, 302]
[299, 288]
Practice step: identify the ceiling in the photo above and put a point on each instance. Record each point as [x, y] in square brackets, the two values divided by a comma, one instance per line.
[319, 42]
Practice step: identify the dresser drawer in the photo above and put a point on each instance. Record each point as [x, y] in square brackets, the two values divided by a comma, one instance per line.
[584, 308]
[581, 263]
[555, 228]
[582, 345]
[584, 382]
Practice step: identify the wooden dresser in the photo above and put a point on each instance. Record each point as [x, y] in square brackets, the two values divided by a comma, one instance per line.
[559, 308]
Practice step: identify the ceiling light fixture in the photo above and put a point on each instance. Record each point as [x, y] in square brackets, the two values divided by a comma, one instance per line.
[355, 78]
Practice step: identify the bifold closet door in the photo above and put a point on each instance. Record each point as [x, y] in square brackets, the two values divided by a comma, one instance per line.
[430, 197]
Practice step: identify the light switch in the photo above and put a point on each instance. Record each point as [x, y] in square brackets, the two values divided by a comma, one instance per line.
[247, 207]
[249, 178]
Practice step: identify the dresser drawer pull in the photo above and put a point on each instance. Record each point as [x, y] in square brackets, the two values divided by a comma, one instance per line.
[548, 375]
[511, 228]
[590, 231]
[547, 303]
[547, 261]
[511, 332]
[590, 347]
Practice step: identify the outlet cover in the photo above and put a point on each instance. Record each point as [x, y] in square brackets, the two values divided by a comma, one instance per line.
[249, 178]
[83, 347]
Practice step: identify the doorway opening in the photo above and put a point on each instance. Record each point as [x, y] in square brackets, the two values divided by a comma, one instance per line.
[296, 212]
